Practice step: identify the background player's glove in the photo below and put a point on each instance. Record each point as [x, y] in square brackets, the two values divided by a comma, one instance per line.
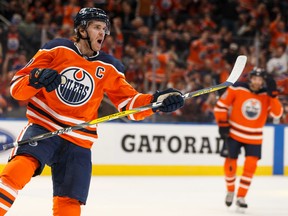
[224, 132]
[271, 86]
[171, 100]
[224, 151]
[48, 78]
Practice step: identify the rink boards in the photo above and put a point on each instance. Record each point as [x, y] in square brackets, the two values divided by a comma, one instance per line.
[165, 149]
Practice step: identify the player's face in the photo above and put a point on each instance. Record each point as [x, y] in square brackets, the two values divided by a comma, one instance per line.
[96, 31]
[256, 83]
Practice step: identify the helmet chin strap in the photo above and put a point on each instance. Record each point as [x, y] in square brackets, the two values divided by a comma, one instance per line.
[88, 40]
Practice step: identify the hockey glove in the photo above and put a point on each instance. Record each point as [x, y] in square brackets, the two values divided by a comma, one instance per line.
[171, 100]
[271, 86]
[48, 78]
[224, 151]
[224, 132]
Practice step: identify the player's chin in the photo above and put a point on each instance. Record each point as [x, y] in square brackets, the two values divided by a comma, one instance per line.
[257, 87]
[97, 46]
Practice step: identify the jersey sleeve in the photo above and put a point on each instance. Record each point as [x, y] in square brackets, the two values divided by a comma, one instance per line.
[276, 108]
[137, 101]
[221, 109]
[20, 89]
[125, 97]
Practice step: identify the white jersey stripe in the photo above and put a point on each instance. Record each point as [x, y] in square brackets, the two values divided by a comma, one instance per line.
[222, 105]
[57, 127]
[251, 137]
[244, 128]
[219, 109]
[13, 152]
[132, 105]
[13, 85]
[54, 114]
[123, 104]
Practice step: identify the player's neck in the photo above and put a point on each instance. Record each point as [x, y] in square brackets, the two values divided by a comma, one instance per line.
[84, 49]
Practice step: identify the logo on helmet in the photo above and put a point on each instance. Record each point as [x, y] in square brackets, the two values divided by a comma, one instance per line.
[257, 72]
[88, 14]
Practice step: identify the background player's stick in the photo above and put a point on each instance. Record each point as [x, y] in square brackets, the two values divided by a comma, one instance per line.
[235, 73]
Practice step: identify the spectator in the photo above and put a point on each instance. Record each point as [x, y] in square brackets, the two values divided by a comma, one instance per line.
[278, 33]
[145, 11]
[9, 106]
[13, 39]
[114, 44]
[231, 54]
[29, 32]
[127, 15]
[57, 11]
[198, 51]
[164, 8]
[70, 10]
[277, 65]
[38, 11]
[180, 25]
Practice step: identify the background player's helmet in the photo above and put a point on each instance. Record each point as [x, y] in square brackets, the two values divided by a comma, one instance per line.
[257, 72]
[87, 14]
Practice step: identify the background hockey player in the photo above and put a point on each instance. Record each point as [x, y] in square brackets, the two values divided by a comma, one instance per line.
[241, 113]
[89, 74]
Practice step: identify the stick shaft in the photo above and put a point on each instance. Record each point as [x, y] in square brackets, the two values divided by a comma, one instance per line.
[236, 72]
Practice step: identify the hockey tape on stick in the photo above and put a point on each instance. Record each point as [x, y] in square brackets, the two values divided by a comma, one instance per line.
[235, 74]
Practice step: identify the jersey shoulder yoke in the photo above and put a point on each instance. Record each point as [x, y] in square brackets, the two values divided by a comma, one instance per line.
[106, 58]
[59, 42]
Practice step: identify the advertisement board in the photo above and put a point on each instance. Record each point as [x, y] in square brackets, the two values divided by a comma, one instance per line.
[156, 149]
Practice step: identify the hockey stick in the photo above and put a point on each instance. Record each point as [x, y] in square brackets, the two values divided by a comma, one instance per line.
[235, 73]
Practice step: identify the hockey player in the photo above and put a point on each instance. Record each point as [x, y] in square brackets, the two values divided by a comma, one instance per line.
[89, 74]
[241, 114]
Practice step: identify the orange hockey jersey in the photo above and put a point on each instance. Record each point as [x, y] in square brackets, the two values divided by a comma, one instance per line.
[246, 112]
[78, 100]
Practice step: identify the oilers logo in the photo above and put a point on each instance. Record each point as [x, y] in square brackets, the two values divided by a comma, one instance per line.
[78, 88]
[251, 109]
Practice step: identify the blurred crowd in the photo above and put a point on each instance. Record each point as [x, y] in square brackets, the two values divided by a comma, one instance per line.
[184, 44]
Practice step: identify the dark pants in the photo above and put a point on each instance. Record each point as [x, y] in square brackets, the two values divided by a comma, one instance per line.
[71, 164]
[232, 148]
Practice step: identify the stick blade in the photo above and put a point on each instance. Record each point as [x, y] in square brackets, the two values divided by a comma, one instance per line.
[237, 69]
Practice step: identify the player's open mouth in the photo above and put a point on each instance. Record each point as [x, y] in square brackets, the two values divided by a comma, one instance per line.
[99, 41]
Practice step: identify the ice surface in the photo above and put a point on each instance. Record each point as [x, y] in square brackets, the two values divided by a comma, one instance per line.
[159, 196]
